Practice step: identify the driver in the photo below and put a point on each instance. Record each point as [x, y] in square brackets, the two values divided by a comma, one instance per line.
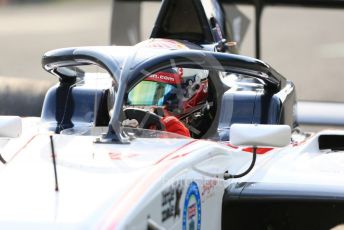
[177, 95]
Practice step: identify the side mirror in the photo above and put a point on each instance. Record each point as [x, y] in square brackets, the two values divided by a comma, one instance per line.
[10, 126]
[260, 135]
[257, 136]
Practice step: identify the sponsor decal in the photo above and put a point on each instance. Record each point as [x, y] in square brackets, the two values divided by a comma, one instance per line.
[121, 156]
[164, 77]
[192, 208]
[208, 188]
[170, 202]
[162, 43]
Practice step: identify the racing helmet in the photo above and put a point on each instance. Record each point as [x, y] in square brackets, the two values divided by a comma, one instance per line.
[178, 90]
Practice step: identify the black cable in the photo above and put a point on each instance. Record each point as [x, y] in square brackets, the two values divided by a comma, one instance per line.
[2, 159]
[227, 176]
[54, 162]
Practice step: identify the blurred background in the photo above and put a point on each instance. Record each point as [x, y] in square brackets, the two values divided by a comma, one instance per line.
[28, 29]
[305, 45]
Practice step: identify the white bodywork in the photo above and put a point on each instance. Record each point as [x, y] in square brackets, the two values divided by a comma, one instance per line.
[164, 183]
[10, 126]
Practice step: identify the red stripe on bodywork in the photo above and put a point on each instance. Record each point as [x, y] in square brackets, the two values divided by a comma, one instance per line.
[132, 196]
[139, 187]
[171, 153]
[23, 147]
[232, 146]
[258, 151]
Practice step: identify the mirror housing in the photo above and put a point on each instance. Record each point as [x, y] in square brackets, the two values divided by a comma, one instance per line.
[10, 126]
[260, 135]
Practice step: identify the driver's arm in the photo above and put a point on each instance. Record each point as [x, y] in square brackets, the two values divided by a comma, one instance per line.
[173, 125]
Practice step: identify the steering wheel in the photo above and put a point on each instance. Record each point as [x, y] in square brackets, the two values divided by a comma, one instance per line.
[145, 118]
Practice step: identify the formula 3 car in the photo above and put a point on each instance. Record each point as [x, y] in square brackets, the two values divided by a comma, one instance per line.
[245, 166]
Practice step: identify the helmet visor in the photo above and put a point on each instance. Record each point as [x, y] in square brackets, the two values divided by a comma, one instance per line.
[149, 93]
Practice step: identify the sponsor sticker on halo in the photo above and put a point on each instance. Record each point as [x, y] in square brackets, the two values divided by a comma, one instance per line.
[163, 77]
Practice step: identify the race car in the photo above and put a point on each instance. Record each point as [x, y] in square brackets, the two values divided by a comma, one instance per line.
[83, 165]
[78, 167]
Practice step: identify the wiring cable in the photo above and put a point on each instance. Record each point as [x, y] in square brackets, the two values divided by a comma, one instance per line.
[227, 176]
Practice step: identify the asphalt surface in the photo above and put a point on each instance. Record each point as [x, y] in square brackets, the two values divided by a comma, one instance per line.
[304, 45]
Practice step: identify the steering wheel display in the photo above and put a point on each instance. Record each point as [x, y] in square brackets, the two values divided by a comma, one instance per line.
[145, 118]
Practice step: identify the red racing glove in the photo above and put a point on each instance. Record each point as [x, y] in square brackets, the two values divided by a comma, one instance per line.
[174, 125]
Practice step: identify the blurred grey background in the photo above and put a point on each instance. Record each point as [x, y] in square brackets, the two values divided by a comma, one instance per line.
[305, 45]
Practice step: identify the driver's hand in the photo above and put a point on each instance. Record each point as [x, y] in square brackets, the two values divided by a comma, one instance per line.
[173, 125]
[133, 123]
